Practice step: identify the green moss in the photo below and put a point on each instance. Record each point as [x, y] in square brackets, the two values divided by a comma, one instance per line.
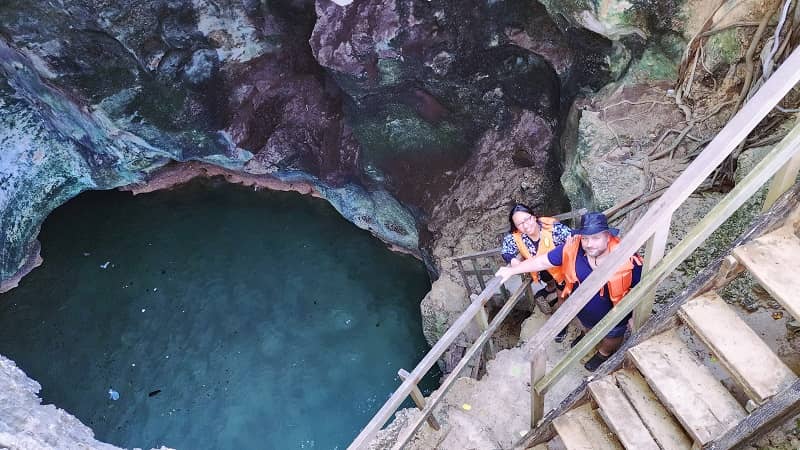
[723, 48]
[655, 64]
[391, 71]
[398, 130]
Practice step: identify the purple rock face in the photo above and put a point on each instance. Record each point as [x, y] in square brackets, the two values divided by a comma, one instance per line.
[426, 80]
[380, 95]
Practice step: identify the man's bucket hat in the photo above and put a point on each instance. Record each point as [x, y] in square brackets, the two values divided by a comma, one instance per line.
[593, 223]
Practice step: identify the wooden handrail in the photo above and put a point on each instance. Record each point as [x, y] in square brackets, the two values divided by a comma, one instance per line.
[385, 413]
[434, 399]
[743, 190]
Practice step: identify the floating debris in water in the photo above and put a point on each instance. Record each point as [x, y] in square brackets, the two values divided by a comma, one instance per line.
[105, 265]
[112, 394]
[144, 309]
[154, 393]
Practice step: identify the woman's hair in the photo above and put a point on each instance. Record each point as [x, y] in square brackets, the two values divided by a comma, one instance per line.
[517, 208]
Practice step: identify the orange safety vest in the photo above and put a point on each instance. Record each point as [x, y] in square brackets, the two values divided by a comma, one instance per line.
[618, 285]
[546, 244]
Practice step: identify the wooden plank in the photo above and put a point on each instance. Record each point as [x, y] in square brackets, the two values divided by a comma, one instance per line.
[581, 429]
[737, 347]
[729, 270]
[774, 413]
[686, 387]
[408, 432]
[419, 399]
[653, 253]
[484, 254]
[538, 369]
[773, 260]
[782, 181]
[718, 215]
[662, 320]
[620, 416]
[662, 425]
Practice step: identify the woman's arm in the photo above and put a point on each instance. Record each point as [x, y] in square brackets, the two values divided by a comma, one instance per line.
[535, 264]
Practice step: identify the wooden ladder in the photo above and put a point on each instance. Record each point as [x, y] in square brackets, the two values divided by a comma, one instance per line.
[667, 398]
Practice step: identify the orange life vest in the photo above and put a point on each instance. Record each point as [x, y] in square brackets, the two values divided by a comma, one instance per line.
[618, 285]
[546, 244]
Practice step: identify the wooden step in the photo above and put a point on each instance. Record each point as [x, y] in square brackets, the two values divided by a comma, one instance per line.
[620, 416]
[686, 387]
[738, 348]
[581, 429]
[661, 424]
[774, 260]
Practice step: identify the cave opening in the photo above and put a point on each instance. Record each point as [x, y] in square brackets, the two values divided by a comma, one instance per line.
[222, 317]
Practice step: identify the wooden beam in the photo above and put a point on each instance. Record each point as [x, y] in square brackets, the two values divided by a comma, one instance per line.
[771, 163]
[482, 319]
[484, 254]
[653, 253]
[771, 414]
[419, 399]
[464, 278]
[476, 270]
[704, 282]
[717, 150]
[538, 369]
[729, 270]
[408, 432]
[782, 181]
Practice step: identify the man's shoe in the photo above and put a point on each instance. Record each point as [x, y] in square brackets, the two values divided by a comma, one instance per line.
[561, 336]
[594, 362]
[576, 340]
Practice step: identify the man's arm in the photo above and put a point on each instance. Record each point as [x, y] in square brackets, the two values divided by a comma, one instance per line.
[535, 264]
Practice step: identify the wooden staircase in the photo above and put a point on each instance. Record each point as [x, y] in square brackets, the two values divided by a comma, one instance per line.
[667, 398]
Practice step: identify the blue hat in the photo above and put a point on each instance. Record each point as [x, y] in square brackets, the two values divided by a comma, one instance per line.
[593, 223]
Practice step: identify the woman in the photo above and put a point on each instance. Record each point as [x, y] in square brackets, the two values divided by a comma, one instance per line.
[529, 235]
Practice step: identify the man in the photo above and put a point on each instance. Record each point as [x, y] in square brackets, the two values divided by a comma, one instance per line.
[578, 257]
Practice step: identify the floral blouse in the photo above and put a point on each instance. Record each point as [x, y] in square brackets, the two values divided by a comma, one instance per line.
[560, 234]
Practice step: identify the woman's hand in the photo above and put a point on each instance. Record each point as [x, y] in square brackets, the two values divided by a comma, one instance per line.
[514, 262]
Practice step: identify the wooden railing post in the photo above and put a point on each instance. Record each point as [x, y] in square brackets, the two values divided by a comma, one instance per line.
[482, 319]
[419, 399]
[653, 253]
[782, 181]
[538, 369]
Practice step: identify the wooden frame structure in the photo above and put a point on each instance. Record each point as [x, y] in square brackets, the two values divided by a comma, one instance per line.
[653, 229]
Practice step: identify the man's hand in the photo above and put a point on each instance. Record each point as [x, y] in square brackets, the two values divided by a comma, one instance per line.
[504, 273]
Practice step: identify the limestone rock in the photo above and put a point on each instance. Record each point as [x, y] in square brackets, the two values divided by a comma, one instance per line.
[29, 424]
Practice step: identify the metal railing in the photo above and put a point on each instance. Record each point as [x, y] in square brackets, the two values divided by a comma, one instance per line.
[653, 228]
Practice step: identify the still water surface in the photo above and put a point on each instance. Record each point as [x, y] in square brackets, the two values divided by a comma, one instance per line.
[225, 318]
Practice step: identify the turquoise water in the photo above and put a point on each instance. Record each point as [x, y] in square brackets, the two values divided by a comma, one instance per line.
[225, 318]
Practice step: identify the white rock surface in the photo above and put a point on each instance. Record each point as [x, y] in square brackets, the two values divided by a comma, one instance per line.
[27, 424]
